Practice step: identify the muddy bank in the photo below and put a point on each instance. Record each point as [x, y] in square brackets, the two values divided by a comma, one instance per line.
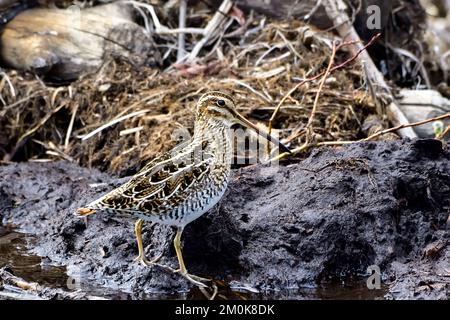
[328, 217]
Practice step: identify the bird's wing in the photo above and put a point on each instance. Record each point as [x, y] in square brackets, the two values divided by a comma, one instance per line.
[158, 186]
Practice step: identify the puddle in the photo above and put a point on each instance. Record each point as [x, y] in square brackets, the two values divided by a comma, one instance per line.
[15, 255]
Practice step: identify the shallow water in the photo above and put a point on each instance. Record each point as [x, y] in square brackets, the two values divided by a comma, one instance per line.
[14, 254]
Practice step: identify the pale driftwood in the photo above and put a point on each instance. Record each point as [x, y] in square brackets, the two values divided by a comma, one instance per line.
[159, 28]
[211, 29]
[65, 42]
[336, 10]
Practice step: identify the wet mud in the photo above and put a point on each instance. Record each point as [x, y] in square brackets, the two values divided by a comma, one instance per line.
[305, 226]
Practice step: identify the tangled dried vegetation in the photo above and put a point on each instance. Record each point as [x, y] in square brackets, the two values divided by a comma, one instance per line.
[135, 109]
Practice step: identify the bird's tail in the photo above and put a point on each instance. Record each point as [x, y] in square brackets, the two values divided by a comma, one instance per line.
[89, 209]
[84, 212]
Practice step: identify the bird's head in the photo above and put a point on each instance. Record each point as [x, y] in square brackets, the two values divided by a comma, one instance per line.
[220, 106]
[217, 105]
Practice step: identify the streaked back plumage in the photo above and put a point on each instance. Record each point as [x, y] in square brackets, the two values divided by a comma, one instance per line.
[180, 185]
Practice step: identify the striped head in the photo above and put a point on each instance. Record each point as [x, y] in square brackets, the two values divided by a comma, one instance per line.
[219, 106]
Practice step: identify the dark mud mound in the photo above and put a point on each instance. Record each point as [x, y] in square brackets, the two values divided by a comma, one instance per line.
[330, 216]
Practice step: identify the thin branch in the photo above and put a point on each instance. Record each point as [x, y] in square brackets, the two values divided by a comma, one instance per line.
[113, 122]
[316, 99]
[401, 126]
[306, 146]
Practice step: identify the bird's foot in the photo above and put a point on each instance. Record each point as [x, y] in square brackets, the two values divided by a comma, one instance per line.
[142, 260]
[198, 281]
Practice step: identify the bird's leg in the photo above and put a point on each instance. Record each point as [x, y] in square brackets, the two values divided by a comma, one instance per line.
[182, 270]
[141, 257]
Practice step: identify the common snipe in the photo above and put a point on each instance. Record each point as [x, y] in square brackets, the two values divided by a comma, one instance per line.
[184, 183]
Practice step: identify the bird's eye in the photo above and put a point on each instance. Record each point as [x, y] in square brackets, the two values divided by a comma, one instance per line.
[220, 103]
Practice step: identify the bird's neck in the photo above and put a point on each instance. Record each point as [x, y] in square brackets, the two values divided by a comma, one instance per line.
[216, 138]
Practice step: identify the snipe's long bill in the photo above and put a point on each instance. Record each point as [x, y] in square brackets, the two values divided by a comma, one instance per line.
[179, 186]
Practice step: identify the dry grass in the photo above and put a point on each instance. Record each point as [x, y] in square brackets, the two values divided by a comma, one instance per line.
[257, 64]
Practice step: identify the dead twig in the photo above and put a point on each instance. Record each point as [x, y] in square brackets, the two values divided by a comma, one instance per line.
[409, 125]
[211, 29]
[309, 131]
[306, 146]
